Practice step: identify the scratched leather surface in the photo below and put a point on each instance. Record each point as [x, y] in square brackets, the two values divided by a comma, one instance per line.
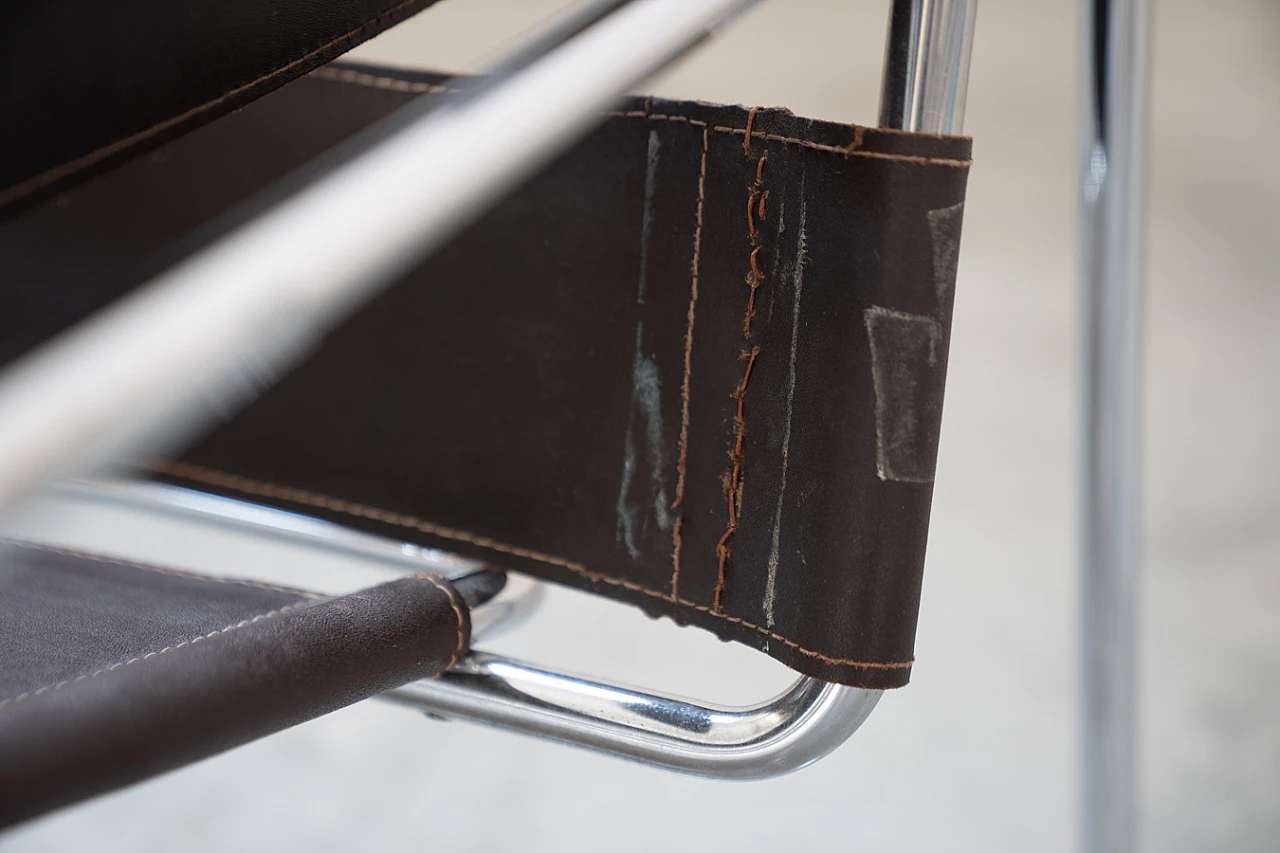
[687, 368]
[88, 84]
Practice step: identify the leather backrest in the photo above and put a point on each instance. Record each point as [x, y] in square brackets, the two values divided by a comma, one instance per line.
[90, 84]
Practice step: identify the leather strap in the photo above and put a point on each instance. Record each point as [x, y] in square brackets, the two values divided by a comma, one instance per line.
[112, 672]
[697, 365]
[91, 84]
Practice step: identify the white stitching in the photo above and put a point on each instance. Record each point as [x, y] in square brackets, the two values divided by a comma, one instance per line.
[394, 83]
[235, 482]
[61, 684]
[447, 589]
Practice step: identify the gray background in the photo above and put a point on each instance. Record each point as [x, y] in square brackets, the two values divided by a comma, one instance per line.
[979, 752]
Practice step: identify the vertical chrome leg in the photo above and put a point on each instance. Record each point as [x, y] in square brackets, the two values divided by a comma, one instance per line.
[926, 70]
[1113, 103]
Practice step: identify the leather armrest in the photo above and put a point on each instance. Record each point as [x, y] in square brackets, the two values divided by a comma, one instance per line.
[112, 672]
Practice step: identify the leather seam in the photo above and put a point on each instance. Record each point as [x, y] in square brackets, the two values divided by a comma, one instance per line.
[843, 150]
[85, 160]
[677, 542]
[850, 150]
[447, 589]
[115, 666]
[733, 478]
[246, 485]
[68, 552]
[393, 84]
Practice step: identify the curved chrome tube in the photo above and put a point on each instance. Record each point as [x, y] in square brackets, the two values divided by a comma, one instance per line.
[788, 732]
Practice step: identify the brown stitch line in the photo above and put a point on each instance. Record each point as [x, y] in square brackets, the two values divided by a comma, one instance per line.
[733, 478]
[245, 485]
[851, 150]
[734, 491]
[844, 150]
[677, 541]
[372, 81]
[751, 120]
[61, 684]
[763, 198]
[804, 143]
[447, 589]
[82, 555]
[755, 277]
[50, 175]
[903, 132]
[659, 117]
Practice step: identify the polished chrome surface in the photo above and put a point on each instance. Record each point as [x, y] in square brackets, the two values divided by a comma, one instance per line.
[926, 72]
[508, 610]
[210, 333]
[786, 733]
[1115, 38]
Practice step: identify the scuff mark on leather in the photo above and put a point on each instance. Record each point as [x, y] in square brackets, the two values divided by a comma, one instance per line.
[944, 235]
[797, 282]
[646, 399]
[906, 376]
[646, 221]
[646, 405]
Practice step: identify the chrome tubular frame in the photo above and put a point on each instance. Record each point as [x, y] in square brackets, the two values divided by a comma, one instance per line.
[1115, 41]
[46, 420]
[926, 71]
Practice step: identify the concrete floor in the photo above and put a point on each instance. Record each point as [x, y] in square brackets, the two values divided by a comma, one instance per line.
[978, 754]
